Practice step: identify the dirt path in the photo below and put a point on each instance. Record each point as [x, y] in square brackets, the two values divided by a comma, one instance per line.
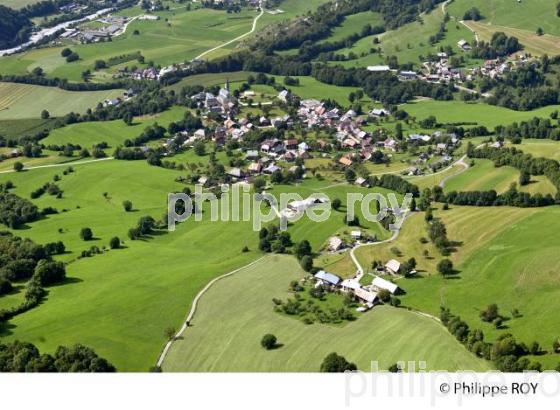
[193, 309]
[253, 28]
[66, 164]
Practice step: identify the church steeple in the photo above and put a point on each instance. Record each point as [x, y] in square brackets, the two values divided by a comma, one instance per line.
[227, 84]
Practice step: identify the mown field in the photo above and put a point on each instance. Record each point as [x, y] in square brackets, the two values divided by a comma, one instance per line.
[408, 42]
[540, 148]
[22, 101]
[16, 4]
[516, 268]
[115, 301]
[243, 304]
[113, 133]
[182, 37]
[479, 113]
[484, 176]
[15, 129]
[532, 43]
[354, 23]
[526, 15]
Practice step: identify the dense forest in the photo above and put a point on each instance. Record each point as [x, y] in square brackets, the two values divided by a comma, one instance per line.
[15, 27]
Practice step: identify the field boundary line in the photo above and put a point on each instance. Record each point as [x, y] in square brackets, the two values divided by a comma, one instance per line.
[65, 164]
[194, 305]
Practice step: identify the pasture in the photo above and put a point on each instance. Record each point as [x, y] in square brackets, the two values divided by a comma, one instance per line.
[475, 113]
[408, 42]
[22, 101]
[113, 132]
[484, 176]
[540, 148]
[182, 37]
[532, 43]
[17, 4]
[243, 304]
[14, 129]
[526, 15]
[353, 24]
[115, 301]
[517, 268]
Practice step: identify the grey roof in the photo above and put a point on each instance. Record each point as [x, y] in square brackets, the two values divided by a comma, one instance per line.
[327, 277]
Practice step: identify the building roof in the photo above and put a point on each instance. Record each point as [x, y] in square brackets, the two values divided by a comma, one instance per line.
[365, 295]
[381, 283]
[393, 265]
[327, 277]
[350, 284]
[335, 243]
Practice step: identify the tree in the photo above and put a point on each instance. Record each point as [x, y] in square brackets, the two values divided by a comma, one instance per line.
[200, 148]
[65, 52]
[86, 234]
[115, 242]
[268, 341]
[45, 114]
[306, 263]
[127, 205]
[170, 332]
[18, 166]
[259, 183]
[384, 295]
[334, 363]
[540, 31]
[445, 267]
[524, 178]
[336, 204]
[49, 272]
[490, 314]
[302, 249]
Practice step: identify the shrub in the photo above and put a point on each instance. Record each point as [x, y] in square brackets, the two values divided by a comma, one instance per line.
[115, 242]
[334, 363]
[268, 341]
[86, 234]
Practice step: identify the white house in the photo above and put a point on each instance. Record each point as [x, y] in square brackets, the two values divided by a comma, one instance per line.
[393, 266]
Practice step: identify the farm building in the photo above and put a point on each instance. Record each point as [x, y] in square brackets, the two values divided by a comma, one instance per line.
[326, 278]
[369, 297]
[335, 243]
[350, 285]
[380, 283]
[393, 266]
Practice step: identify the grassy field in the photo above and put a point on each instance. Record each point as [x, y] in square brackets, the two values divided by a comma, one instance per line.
[15, 129]
[516, 269]
[210, 79]
[182, 37]
[482, 114]
[526, 15]
[22, 101]
[532, 43]
[540, 148]
[16, 4]
[243, 304]
[462, 225]
[354, 23]
[115, 301]
[408, 42]
[114, 132]
[483, 176]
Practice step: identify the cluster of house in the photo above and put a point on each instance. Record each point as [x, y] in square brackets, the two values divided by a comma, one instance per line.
[149, 73]
[223, 103]
[366, 294]
[113, 26]
[113, 102]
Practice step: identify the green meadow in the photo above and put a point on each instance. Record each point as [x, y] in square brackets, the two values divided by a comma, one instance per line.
[113, 132]
[115, 301]
[353, 24]
[182, 37]
[484, 176]
[516, 269]
[15, 129]
[527, 15]
[540, 148]
[409, 42]
[22, 101]
[479, 113]
[243, 304]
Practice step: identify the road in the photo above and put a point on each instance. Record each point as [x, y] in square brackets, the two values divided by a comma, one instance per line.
[66, 164]
[253, 28]
[193, 309]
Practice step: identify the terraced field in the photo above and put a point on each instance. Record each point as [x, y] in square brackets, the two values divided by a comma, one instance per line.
[243, 304]
[21, 101]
